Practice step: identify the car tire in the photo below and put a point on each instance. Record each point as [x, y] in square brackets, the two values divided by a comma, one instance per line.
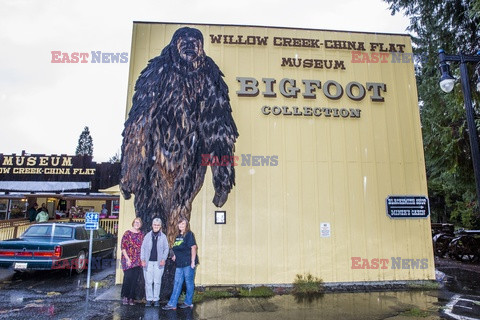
[80, 262]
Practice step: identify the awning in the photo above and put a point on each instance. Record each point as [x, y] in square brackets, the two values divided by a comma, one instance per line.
[115, 190]
[88, 196]
[43, 186]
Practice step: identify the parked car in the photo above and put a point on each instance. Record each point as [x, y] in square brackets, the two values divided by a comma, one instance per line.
[47, 246]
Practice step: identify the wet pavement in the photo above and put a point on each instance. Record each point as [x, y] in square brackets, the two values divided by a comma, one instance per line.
[52, 294]
[59, 295]
[460, 287]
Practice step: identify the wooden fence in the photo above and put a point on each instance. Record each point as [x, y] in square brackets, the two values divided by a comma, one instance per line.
[10, 229]
[110, 225]
[13, 231]
[13, 222]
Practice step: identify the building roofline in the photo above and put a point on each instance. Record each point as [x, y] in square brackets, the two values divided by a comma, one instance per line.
[271, 27]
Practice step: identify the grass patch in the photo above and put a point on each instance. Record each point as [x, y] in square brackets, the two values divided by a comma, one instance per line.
[307, 284]
[97, 284]
[256, 292]
[210, 295]
[415, 312]
[426, 285]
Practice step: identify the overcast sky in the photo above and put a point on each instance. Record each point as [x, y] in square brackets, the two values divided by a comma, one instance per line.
[45, 106]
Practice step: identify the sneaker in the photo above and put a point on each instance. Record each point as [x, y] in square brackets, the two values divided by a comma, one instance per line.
[168, 307]
[156, 303]
[130, 302]
[185, 306]
[148, 304]
[125, 301]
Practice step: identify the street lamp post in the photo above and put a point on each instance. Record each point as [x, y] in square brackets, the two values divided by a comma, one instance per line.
[446, 84]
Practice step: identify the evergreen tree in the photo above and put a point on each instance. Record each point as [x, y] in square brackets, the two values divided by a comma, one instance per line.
[475, 12]
[85, 144]
[452, 25]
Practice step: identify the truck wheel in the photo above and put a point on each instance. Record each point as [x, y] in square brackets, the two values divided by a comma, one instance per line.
[80, 262]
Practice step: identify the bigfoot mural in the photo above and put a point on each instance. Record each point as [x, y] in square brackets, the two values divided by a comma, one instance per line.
[181, 111]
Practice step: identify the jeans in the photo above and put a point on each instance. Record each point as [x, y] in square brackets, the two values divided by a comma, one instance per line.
[153, 280]
[181, 274]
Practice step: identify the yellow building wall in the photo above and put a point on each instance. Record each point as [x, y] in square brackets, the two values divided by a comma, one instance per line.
[330, 169]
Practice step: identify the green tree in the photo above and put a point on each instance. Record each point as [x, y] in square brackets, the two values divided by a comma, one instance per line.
[85, 144]
[454, 26]
[475, 12]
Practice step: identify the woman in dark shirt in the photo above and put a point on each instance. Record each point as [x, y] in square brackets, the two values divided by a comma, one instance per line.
[185, 257]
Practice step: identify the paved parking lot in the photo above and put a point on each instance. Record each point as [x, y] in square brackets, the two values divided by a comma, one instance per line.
[59, 295]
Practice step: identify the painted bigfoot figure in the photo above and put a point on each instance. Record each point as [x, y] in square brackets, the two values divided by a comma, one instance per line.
[180, 111]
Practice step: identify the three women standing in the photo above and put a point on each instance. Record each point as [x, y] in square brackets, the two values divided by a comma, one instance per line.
[150, 252]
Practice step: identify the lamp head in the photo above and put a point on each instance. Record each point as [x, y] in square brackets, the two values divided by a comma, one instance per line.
[447, 82]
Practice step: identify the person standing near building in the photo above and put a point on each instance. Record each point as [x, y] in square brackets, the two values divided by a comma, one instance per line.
[42, 216]
[185, 257]
[154, 253]
[104, 211]
[43, 207]
[131, 264]
[32, 212]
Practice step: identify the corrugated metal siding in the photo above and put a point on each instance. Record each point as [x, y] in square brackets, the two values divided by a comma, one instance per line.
[336, 170]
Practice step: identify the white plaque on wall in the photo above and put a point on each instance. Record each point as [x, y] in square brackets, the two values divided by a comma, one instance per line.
[325, 230]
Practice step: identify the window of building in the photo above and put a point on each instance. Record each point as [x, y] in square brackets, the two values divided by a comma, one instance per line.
[18, 208]
[3, 209]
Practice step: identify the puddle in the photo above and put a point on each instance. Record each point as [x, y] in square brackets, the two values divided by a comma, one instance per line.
[373, 305]
[457, 298]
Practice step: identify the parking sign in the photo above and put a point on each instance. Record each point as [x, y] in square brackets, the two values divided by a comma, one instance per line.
[91, 220]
